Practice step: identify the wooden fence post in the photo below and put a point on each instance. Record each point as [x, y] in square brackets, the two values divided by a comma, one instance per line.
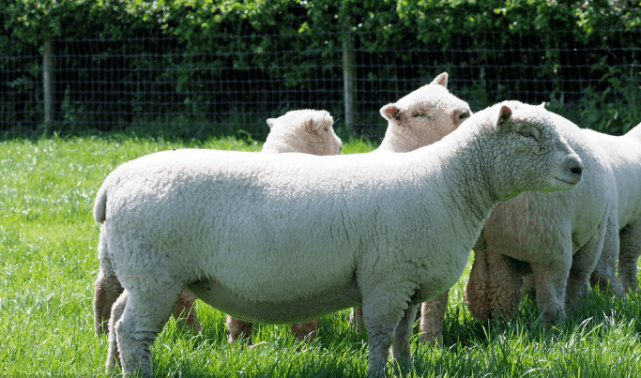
[348, 77]
[47, 78]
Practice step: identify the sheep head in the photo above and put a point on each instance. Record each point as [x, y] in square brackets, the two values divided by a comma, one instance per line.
[423, 117]
[305, 131]
[545, 161]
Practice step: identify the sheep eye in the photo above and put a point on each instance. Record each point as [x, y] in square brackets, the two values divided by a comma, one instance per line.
[464, 115]
[527, 133]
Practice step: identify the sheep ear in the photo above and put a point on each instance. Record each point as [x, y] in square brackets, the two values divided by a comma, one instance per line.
[271, 122]
[312, 126]
[504, 115]
[391, 112]
[543, 104]
[440, 80]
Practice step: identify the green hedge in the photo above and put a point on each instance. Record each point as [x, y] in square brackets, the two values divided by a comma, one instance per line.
[390, 33]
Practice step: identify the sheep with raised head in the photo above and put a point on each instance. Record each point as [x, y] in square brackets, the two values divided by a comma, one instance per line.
[422, 117]
[419, 119]
[288, 237]
[557, 237]
[305, 131]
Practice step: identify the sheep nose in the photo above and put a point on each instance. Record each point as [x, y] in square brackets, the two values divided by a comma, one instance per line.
[575, 168]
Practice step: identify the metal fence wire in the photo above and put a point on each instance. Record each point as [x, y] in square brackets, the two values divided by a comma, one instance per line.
[104, 84]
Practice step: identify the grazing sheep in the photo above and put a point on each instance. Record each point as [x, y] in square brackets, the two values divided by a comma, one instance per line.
[558, 237]
[623, 154]
[305, 131]
[288, 237]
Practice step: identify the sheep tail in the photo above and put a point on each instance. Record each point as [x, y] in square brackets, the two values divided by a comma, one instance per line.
[635, 132]
[100, 206]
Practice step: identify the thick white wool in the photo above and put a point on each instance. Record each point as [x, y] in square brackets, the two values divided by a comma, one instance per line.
[557, 236]
[286, 237]
[306, 131]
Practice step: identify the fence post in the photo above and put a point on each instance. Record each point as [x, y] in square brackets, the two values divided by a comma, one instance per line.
[47, 78]
[348, 77]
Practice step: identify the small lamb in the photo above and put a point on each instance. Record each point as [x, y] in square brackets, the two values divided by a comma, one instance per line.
[305, 131]
[248, 233]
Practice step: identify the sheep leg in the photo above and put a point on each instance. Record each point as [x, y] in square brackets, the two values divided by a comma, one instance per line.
[356, 318]
[382, 318]
[305, 331]
[185, 311]
[604, 272]
[550, 280]
[144, 315]
[107, 290]
[431, 325]
[477, 286]
[583, 263]
[107, 286]
[239, 329]
[629, 255]
[401, 342]
[504, 286]
[113, 357]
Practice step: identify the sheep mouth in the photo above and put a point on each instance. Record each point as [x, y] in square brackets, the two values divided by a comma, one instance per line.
[565, 182]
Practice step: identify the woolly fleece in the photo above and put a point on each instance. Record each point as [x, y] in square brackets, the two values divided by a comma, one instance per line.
[305, 131]
[419, 119]
[557, 237]
[247, 232]
[308, 132]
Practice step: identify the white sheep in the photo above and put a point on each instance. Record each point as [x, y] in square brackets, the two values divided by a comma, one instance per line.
[419, 119]
[288, 237]
[422, 117]
[623, 154]
[559, 237]
[306, 131]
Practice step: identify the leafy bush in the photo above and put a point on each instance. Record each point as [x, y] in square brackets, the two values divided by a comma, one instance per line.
[188, 61]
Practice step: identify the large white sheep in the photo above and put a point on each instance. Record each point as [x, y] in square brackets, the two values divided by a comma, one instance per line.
[418, 119]
[558, 237]
[623, 154]
[306, 131]
[287, 237]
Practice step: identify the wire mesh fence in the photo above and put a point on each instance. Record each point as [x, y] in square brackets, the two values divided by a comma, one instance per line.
[156, 81]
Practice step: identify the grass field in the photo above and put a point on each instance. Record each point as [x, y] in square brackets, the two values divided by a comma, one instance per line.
[48, 263]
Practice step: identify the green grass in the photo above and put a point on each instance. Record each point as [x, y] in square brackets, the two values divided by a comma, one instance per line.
[48, 264]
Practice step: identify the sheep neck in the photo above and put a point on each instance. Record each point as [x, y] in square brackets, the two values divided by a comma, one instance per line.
[397, 140]
[467, 176]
